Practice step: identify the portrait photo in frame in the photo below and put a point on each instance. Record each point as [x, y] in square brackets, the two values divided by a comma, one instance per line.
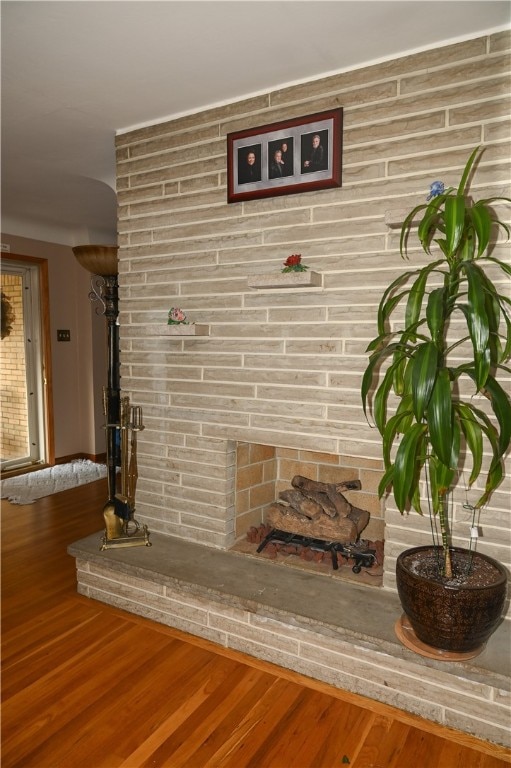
[299, 155]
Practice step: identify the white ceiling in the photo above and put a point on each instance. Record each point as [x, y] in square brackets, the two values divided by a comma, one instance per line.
[75, 73]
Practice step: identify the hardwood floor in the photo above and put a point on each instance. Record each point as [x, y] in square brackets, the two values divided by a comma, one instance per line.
[88, 686]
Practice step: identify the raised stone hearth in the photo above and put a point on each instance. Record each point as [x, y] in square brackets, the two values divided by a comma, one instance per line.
[337, 632]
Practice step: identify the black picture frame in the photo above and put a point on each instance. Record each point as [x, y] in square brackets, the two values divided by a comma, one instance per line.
[299, 155]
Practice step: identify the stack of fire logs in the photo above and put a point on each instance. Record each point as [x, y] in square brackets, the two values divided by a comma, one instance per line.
[318, 510]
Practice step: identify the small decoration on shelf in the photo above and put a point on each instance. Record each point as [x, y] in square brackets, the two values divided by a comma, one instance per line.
[177, 317]
[437, 188]
[294, 264]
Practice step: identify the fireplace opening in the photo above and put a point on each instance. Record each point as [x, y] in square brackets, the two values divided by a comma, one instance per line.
[313, 511]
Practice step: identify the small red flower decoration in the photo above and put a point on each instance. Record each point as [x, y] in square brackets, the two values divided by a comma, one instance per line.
[293, 261]
[294, 264]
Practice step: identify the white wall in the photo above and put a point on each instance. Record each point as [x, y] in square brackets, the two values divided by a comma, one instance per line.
[78, 366]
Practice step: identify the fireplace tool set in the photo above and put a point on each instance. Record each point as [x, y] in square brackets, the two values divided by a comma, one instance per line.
[122, 529]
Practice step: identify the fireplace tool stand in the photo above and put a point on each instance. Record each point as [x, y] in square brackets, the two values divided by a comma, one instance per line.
[121, 527]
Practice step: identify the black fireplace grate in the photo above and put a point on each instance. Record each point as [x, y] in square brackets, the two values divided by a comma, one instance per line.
[359, 551]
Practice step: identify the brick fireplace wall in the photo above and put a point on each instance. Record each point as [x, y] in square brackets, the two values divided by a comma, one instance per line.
[282, 368]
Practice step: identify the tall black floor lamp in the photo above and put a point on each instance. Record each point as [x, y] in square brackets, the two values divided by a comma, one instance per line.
[121, 420]
[101, 261]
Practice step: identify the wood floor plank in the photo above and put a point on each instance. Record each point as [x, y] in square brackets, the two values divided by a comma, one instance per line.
[212, 723]
[193, 689]
[258, 726]
[184, 702]
[421, 749]
[137, 717]
[43, 648]
[338, 725]
[458, 757]
[42, 710]
[384, 744]
[86, 685]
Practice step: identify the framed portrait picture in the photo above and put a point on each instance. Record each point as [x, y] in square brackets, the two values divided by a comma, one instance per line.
[298, 155]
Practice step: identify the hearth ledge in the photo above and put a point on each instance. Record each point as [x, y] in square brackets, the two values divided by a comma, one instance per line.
[359, 614]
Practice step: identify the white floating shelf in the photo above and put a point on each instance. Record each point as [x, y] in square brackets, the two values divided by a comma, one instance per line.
[286, 280]
[182, 329]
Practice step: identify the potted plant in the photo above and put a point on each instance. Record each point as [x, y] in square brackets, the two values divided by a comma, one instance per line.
[454, 328]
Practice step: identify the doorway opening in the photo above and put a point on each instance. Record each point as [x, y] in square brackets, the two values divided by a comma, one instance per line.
[27, 433]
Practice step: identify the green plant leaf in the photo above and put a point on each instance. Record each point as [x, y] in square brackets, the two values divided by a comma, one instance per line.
[415, 297]
[386, 481]
[385, 310]
[505, 353]
[482, 222]
[445, 473]
[442, 244]
[367, 380]
[381, 398]
[405, 406]
[468, 165]
[493, 480]
[431, 220]
[416, 294]
[473, 436]
[424, 372]
[439, 414]
[501, 264]
[455, 445]
[379, 342]
[492, 307]
[406, 226]
[416, 499]
[382, 312]
[394, 426]
[404, 478]
[477, 321]
[376, 358]
[454, 217]
[399, 373]
[494, 316]
[488, 428]
[502, 410]
[435, 313]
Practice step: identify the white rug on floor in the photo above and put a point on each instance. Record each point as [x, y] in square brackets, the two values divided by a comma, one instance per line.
[25, 489]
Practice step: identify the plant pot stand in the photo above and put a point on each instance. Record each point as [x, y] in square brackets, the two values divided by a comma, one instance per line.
[406, 635]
